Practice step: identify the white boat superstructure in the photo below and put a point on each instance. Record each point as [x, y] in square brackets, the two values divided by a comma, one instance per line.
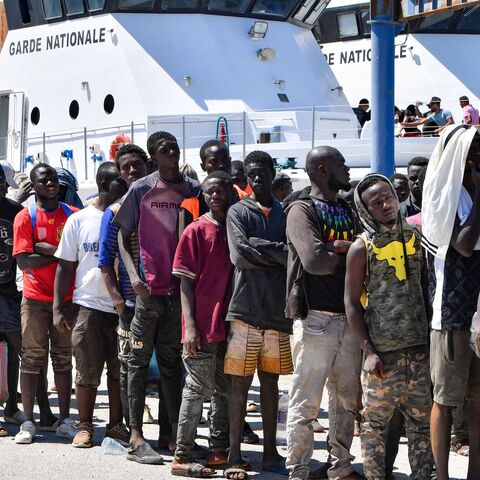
[70, 83]
[434, 55]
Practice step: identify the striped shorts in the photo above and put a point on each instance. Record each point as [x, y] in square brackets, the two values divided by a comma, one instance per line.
[250, 348]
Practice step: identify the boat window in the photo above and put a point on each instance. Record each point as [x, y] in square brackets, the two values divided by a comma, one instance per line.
[136, 4]
[231, 6]
[365, 18]
[303, 10]
[439, 22]
[94, 5]
[470, 20]
[25, 12]
[316, 12]
[279, 8]
[74, 109]
[35, 116]
[179, 4]
[109, 104]
[74, 7]
[347, 24]
[52, 9]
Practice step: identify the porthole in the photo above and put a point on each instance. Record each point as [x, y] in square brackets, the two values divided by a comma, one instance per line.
[35, 115]
[109, 104]
[74, 109]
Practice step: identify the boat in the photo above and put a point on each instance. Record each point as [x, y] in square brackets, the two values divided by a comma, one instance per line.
[433, 54]
[76, 73]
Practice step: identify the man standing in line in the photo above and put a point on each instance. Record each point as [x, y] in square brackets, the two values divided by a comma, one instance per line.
[259, 331]
[131, 161]
[94, 334]
[151, 208]
[387, 261]
[413, 204]
[451, 235]
[37, 233]
[320, 230]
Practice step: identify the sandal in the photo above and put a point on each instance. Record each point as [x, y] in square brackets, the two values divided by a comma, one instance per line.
[3, 432]
[252, 407]
[235, 473]
[195, 470]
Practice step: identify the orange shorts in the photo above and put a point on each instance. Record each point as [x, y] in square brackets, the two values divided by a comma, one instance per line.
[250, 348]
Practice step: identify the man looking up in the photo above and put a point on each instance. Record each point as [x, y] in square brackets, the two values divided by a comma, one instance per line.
[259, 331]
[94, 338]
[320, 230]
[393, 331]
[131, 161]
[151, 208]
[37, 233]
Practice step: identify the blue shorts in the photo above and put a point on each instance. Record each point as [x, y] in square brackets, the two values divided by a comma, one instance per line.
[10, 313]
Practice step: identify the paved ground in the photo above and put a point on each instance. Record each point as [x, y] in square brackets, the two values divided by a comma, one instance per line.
[50, 458]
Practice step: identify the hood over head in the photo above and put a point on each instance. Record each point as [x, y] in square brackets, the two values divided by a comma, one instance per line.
[68, 180]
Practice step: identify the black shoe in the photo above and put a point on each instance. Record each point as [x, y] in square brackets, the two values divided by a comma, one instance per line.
[145, 454]
[249, 436]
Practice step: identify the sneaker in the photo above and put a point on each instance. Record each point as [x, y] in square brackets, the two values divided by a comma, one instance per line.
[66, 429]
[84, 435]
[147, 415]
[145, 454]
[26, 433]
[119, 433]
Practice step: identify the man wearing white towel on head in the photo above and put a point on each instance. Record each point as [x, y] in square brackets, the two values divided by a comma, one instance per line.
[451, 229]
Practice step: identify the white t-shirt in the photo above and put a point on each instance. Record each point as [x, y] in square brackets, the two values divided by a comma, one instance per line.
[79, 243]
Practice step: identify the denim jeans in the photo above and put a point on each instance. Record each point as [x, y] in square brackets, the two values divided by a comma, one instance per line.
[205, 381]
[324, 348]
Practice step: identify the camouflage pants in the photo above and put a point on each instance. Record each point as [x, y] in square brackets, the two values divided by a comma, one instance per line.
[406, 386]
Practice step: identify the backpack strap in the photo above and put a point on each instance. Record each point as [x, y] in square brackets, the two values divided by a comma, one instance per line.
[32, 210]
[66, 209]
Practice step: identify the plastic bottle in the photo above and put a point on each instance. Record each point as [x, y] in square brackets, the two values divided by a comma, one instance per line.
[282, 419]
[112, 447]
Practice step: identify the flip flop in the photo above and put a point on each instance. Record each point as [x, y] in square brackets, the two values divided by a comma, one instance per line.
[16, 419]
[279, 468]
[3, 432]
[50, 428]
[195, 470]
[232, 473]
[252, 407]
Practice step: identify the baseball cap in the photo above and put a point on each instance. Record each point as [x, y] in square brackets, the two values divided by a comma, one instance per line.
[9, 172]
[364, 101]
[464, 98]
[434, 100]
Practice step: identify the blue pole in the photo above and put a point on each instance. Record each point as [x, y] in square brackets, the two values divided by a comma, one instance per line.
[383, 84]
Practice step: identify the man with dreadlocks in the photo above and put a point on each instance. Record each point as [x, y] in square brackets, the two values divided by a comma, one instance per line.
[386, 261]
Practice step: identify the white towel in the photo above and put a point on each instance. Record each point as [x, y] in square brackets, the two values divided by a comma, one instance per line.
[442, 187]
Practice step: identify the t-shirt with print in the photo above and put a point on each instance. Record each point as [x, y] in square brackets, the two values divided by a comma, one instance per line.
[80, 243]
[8, 266]
[336, 222]
[202, 255]
[108, 251]
[441, 117]
[38, 283]
[151, 207]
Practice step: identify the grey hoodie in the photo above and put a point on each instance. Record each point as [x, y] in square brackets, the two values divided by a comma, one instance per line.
[395, 313]
[258, 252]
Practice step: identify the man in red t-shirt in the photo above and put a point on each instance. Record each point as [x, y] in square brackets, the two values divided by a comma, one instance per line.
[202, 261]
[37, 233]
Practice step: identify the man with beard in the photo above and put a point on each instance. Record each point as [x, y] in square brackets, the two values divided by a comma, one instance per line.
[320, 230]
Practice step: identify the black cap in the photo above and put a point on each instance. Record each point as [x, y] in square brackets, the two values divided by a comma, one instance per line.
[464, 98]
[364, 101]
[280, 180]
[434, 100]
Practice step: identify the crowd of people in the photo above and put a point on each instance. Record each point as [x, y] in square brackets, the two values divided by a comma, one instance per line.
[367, 291]
[412, 122]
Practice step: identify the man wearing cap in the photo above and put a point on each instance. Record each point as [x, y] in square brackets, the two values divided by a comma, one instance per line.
[362, 111]
[438, 117]
[470, 113]
[282, 186]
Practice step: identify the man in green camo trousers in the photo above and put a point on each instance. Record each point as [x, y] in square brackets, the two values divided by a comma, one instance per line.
[386, 261]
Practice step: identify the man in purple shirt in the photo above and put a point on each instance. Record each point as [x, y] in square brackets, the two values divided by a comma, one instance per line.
[470, 113]
[151, 208]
